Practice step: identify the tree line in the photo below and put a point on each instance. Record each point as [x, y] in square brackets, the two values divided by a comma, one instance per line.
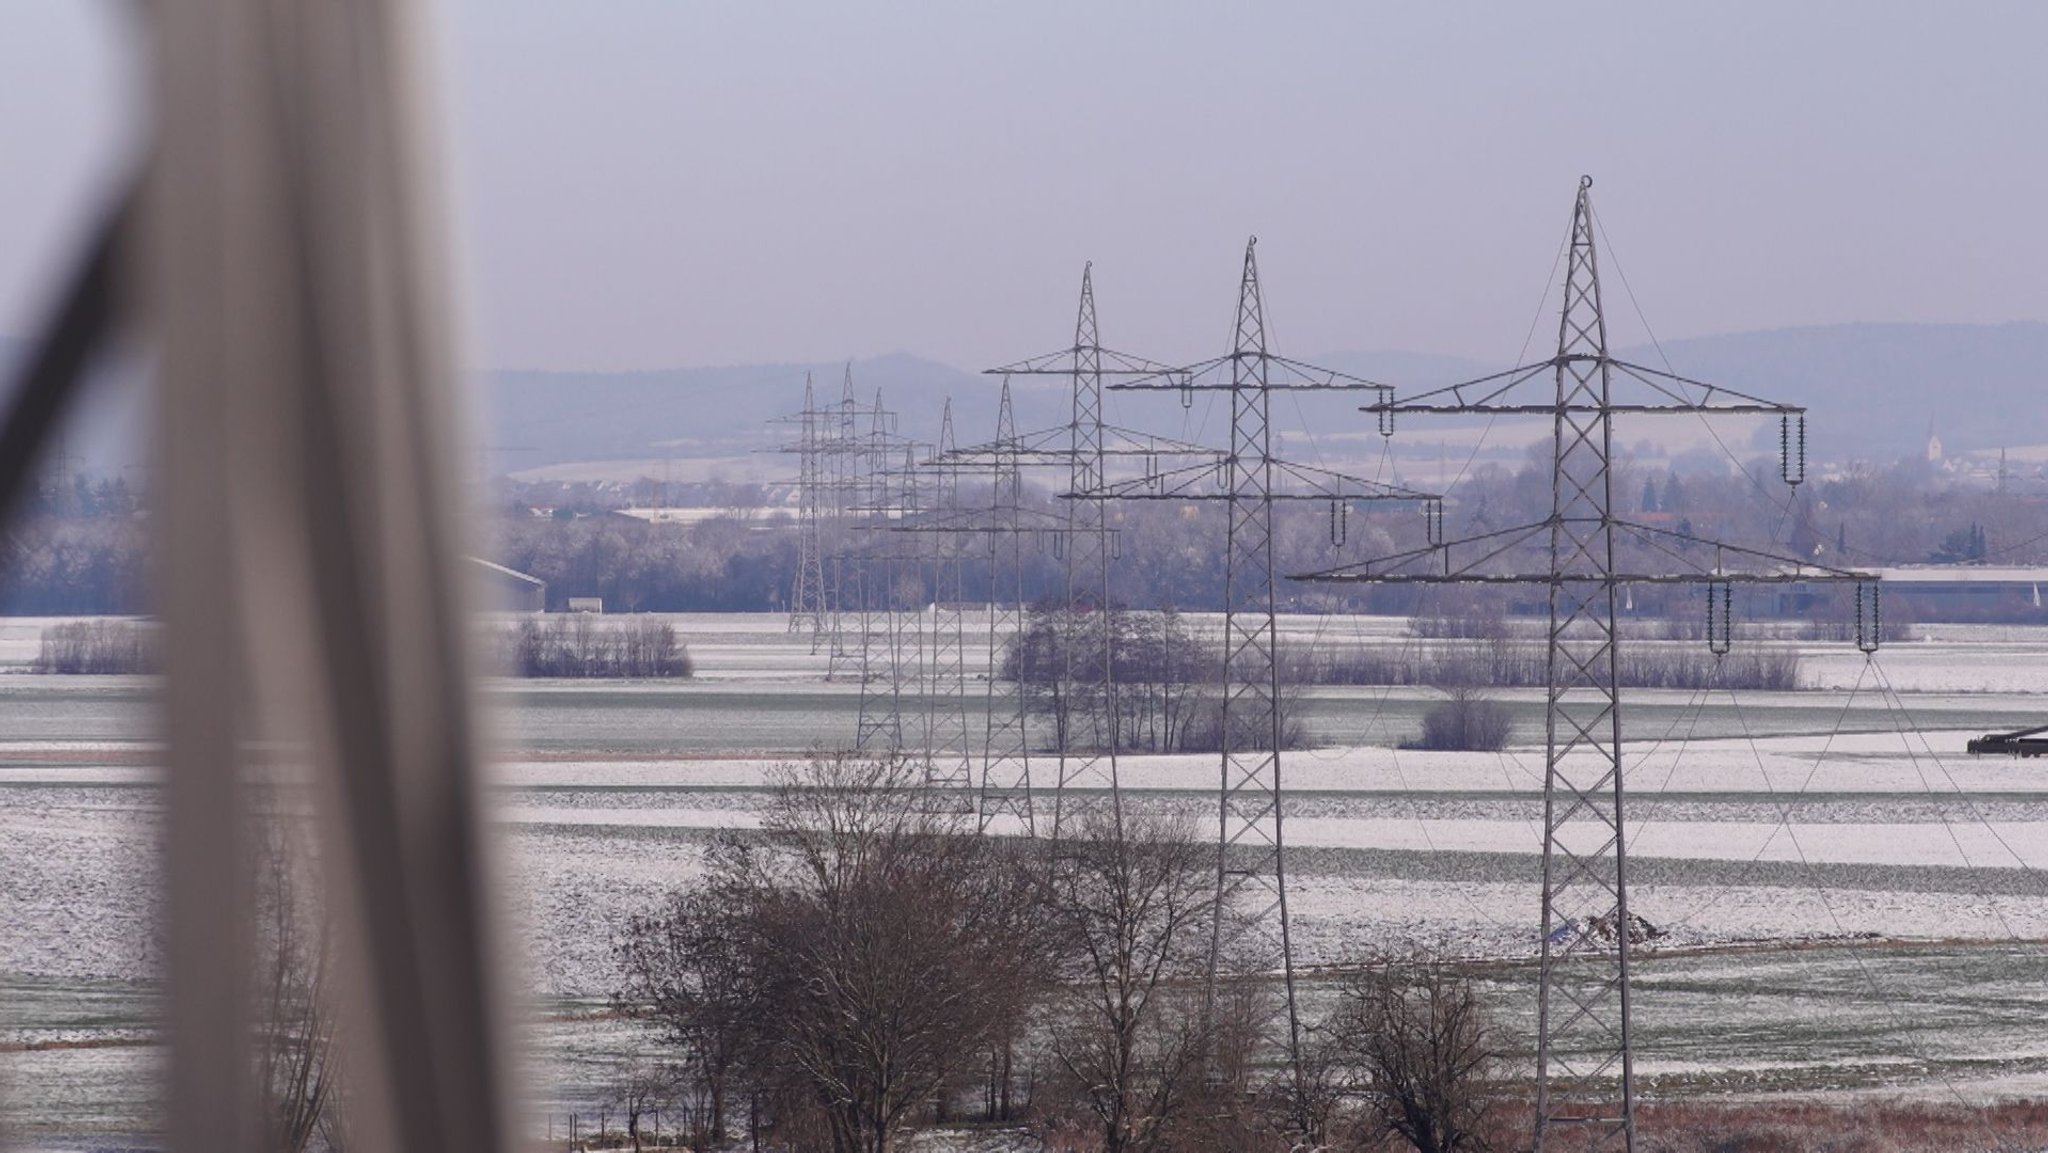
[83, 548]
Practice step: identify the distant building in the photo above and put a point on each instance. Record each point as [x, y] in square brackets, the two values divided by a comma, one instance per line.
[1950, 593]
[586, 604]
[507, 590]
[1966, 592]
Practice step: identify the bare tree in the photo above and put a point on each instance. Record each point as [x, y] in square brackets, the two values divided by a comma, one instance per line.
[1421, 1036]
[642, 1088]
[298, 1062]
[855, 962]
[1131, 902]
[690, 968]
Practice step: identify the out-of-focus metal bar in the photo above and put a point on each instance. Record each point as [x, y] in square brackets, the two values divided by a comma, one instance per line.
[86, 315]
[310, 546]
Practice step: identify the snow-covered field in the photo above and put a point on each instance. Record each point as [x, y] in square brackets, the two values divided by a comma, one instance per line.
[1845, 816]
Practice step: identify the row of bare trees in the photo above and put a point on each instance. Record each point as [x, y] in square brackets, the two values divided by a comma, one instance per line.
[1151, 682]
[866, 965]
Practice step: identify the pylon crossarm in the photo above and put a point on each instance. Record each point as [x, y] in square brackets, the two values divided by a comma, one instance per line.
[1187, 482]
[1232, 371]
[1209, 480]
[1677, 546]
[1700, 394]
[1393, 568]
[1312, 483]
[1052, 445]
[1496, 393]
[1397, 568]
[1061, 363]
[971, 520]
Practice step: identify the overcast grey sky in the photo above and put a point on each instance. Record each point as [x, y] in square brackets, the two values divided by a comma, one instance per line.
[645, 183]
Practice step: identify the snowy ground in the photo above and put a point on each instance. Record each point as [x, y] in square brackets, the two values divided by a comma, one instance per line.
[1845, 815]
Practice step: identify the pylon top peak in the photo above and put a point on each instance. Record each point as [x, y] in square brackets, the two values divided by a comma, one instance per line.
[1585, 182]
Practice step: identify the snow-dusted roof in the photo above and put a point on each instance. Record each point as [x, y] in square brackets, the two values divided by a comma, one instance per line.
[1962, 574]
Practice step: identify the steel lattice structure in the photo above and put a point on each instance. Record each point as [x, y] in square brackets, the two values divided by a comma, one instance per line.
[807, 603]
[949, 756]
[1006, 740]
[1585, 1061]
[915, 682]
[1003, 782]
[873, 572]
[1086, 762]
[1251, 869]
[834, 480]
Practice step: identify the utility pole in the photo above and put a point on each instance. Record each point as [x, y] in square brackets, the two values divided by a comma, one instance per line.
[1006, 740]
[949, 758]
[1251, 867]
[807, 595]
[879, 730]
[1585, 555]
[1003, 787]
[1087, 749]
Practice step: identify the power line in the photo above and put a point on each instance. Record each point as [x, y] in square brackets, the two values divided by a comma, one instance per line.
[1585, 1093]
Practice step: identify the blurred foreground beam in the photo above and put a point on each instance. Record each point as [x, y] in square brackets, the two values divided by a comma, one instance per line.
[309, 551]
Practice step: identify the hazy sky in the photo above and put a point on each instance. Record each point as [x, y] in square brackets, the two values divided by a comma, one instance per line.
[645, 183]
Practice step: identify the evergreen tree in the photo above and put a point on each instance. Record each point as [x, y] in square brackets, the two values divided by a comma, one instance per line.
[1674, 494]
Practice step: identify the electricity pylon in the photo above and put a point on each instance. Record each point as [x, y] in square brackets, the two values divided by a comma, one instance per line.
[1086, 753]
[879, 730]
[1584, 554]
[807, 609]
[1251, 868]
[847, 480]
[833, 479]
[949, 757]
[1006, 739]
[1004, 778]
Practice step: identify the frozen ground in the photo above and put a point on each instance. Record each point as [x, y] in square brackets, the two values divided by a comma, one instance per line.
[1846, 816]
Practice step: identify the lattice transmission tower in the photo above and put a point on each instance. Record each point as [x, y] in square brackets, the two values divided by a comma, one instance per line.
[808, 611]
[948, 534]
[1086, 746]
[880, 493]
[1006, 738]
[836, 476]
[1251, 926]
[1586, 556]
[949, 753]
[927, 531]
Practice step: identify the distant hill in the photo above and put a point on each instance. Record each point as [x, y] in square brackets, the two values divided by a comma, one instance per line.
[1875, 391]
[699, 412]
[556, 417]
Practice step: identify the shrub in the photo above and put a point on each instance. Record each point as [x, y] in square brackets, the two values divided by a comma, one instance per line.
[1465, 722]
[97, 647]
[1520, 664]
[587, 646]
[1427, 1047]
[1203, 732]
